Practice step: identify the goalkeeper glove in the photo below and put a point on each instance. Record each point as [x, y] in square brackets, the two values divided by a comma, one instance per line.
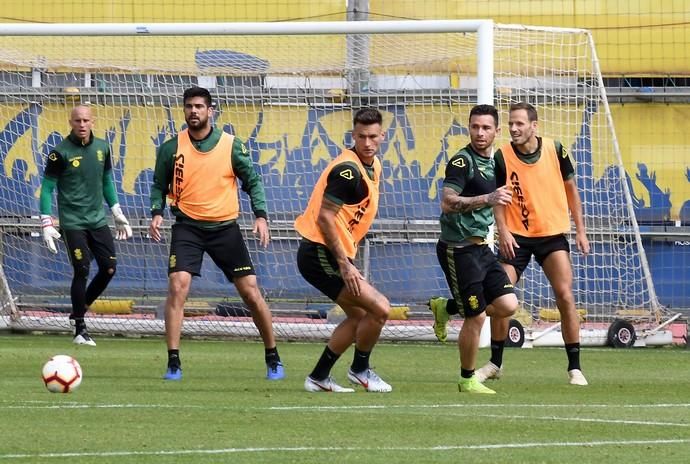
[122, 229]
[50, 233]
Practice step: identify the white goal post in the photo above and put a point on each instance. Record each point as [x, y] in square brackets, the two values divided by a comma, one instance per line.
[289, 90]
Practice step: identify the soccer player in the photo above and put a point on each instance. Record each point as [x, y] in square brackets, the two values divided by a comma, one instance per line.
[340, 211]
[80, 167]
[474, 275]
[542, 176]
[199, 170]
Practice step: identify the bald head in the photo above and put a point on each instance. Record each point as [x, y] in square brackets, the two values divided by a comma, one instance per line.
[81, 122]
[80, 110]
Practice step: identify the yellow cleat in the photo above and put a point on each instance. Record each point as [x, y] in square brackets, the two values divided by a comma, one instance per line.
[472, 385]
[437, 305]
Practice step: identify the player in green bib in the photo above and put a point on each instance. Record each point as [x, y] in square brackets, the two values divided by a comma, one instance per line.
[477, 282]
[81, 169]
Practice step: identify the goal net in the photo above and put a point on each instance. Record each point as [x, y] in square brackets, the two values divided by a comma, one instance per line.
[289, 91]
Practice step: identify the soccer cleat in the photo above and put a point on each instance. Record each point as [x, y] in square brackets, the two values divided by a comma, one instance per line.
[369, 380]
[488, 371]
[275, 371]
[173, 373]
[83, 338]
[472, 385]
[576, 377]
[437, 305]
[326, 385]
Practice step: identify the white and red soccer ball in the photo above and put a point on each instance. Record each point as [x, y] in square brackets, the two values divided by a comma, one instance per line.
[62, 374]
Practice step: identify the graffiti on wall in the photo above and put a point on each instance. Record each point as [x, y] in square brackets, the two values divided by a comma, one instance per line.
[292, 147]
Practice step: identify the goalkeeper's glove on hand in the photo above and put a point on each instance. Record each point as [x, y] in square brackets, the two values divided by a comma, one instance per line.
[50, 233]
[122, 229]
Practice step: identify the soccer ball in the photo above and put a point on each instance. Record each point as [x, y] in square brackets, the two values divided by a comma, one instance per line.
[62, 374]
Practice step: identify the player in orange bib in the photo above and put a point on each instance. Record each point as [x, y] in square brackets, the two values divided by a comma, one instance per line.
[200, 170]
[542, 179]
[340, 211]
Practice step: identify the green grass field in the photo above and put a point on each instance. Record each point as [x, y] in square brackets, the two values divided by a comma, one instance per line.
[636, 409]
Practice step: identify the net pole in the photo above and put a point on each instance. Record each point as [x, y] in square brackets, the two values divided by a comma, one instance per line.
[485, 63]
[621, 171]
[258, 28]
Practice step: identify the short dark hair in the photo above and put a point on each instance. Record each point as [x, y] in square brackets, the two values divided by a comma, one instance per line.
[197, 92]
[482, 110]
[367, 117]
[531, 111]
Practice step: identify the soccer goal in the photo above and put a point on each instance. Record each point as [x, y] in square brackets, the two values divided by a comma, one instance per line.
[289, 91]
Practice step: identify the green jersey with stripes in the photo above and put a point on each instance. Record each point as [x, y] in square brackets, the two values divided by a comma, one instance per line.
[470, 175]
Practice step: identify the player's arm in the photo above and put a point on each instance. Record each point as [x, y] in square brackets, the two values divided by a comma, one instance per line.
[122, 229]
[54, 167]
[457, 175]
[506, 241]
[252, 185]
[342, 187]
[162, 176]
[573, 197]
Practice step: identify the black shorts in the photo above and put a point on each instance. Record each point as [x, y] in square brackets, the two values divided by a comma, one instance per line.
[540, 247]
[318, 266]
[85, 245]
[474, 275]
[225, 245]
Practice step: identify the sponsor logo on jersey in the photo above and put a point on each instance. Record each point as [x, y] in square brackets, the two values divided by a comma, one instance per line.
[52, 156]
[521, 200]
[358, 215]
[459, 162]
[178, 176]
[99, 155]
[75, 163]
[347, 174]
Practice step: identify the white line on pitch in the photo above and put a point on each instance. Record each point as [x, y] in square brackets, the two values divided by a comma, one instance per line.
[74, 405]
[578, 419]
[339, 449]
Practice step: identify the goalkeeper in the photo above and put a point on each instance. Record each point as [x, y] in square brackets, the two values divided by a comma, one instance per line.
[81, 169]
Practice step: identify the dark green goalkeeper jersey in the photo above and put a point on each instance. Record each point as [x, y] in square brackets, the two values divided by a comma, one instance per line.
[242, 166]
[82, 174]
[470, 175]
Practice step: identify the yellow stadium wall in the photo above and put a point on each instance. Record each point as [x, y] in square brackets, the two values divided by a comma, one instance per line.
[633, 37]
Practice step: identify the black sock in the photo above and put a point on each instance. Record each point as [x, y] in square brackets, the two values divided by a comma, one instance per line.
[79, 325]
[573, 352]
[174, 359]
[324, 365]
[497, 352]
[452, 307]
[271, 356]
[466, 373]
[360, 361]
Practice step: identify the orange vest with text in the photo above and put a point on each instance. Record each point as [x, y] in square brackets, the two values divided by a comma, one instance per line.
[352, 221]
[204, 186]
[540, 205]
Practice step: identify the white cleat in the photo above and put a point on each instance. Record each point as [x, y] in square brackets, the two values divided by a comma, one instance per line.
[488, 371]
[576, 377]
[369, 380]
[326, 385]
[84, 339]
